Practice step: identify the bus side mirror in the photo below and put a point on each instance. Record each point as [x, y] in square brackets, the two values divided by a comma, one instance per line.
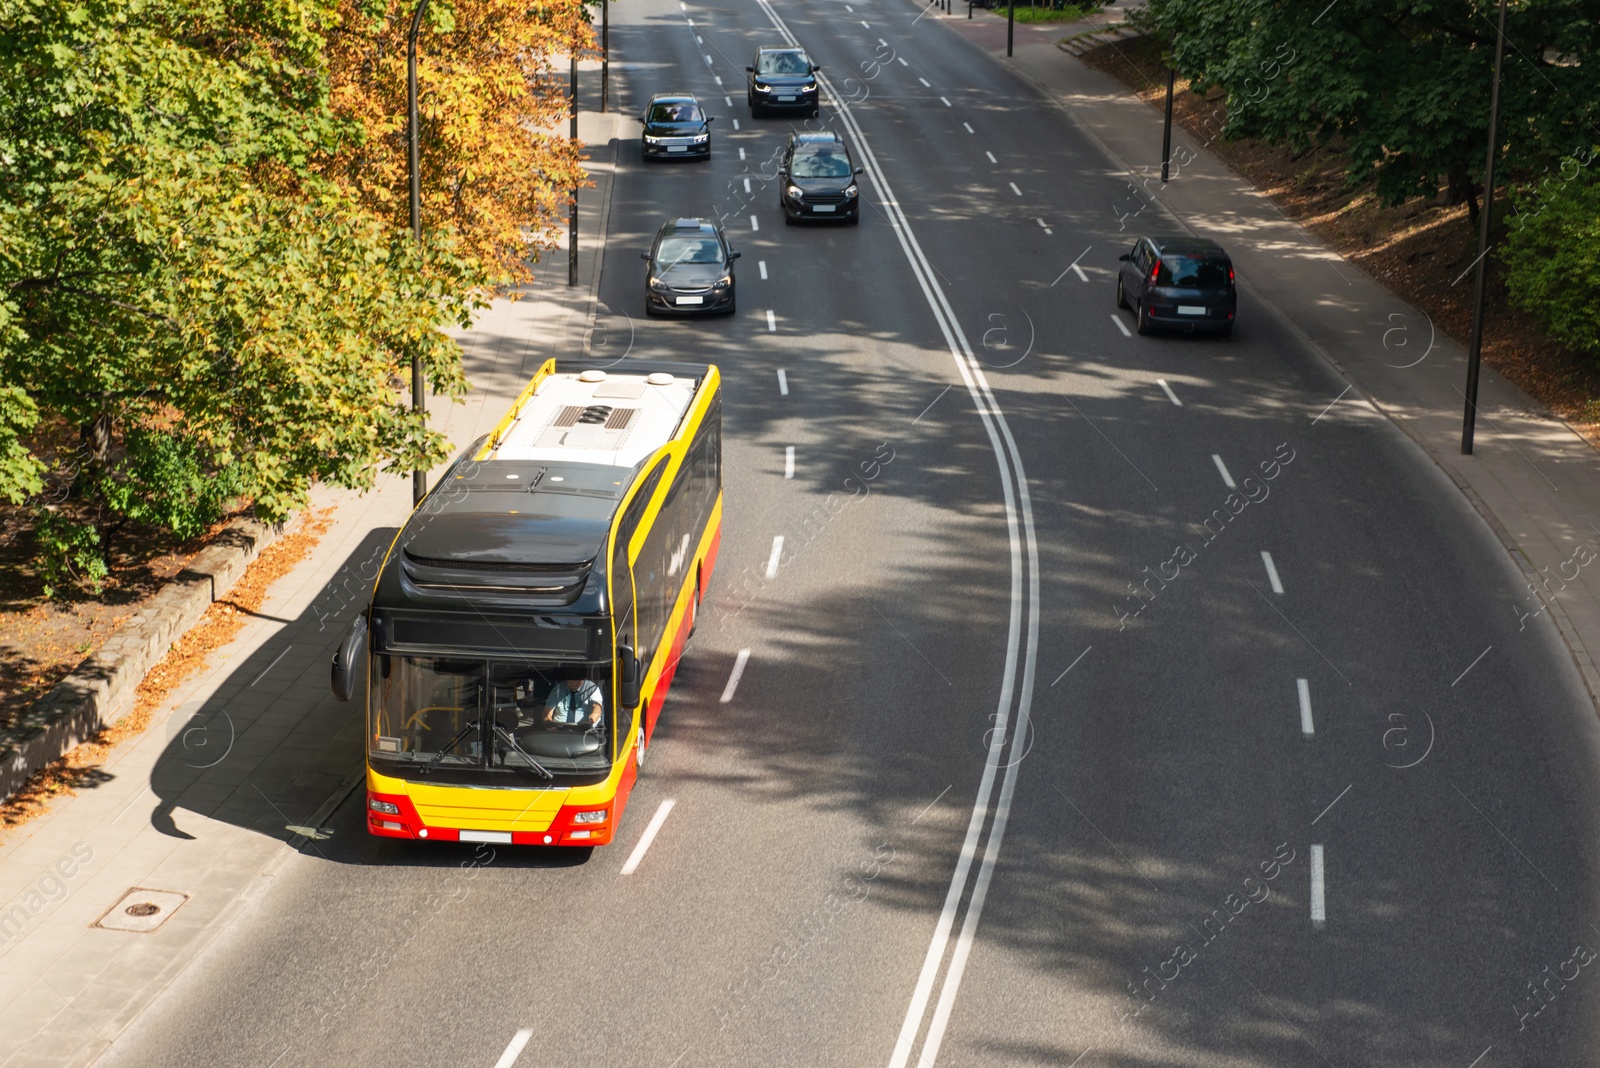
[345, 657]
[628, 666]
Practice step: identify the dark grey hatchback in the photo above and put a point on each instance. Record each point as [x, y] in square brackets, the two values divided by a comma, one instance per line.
[819, 179]
[1181, 283]
[691, 270]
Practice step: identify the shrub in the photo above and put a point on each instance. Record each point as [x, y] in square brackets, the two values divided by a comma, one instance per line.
[1552, 259]
[68, 552]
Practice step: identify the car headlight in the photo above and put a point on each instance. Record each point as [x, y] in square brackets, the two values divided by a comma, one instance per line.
[701, 138]
[763, 88]
[723, 283]
[651, 140]
[597, 816]
[793, 192]
[658, 285]
[851, 190]
[810, 88]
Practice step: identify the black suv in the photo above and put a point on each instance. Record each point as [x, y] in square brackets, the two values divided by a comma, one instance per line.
[781, 79]
[818, 179]
[675, 125]
[1185, 283]
[691, 270]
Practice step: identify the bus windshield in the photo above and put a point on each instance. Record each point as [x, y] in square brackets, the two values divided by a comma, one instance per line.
[437, 714]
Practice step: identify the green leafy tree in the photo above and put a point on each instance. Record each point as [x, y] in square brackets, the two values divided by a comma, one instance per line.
[1404, 84]
[1553, 260]
[175, 268]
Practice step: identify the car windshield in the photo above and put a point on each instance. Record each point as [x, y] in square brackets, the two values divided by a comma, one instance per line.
[1193, 272]
[434, 715]
[783, 63]
[674, 112]
[675, 250]
[820, 165]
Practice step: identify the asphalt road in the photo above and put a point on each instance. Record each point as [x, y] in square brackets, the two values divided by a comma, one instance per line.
[1025, 765]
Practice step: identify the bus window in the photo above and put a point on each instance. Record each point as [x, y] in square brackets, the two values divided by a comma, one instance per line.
[427, 709]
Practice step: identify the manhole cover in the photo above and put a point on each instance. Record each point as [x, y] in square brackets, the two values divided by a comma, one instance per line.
[141, 910]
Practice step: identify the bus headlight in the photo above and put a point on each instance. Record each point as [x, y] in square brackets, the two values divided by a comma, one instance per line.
[597, 816]
[388, 808]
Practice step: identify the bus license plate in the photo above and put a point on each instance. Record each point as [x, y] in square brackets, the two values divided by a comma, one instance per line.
[677, 148]
[823, 207]
[691, 300]
[1190, 309]
[494, 837]
[786, 99]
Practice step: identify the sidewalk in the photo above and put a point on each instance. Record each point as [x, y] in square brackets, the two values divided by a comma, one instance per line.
[255, 754]
[1532, 478]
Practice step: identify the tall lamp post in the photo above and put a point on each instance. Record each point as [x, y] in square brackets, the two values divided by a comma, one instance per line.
[1011, 24]
[572, 204]
[605, 53]
[419, 401]
[1475, 345]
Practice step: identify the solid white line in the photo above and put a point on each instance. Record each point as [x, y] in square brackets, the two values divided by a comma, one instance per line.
[649, 836]
[763, 265]
[514, 1049]
[755, 223]
[1121, 325]
[949, 105]
[1319, 906]
[788, 461]
[733, 679]
[993, 160]
[1014, 188]
[1022, 634]
[1171, 396]
[777, 553]
[1305, 707]
[772, 325]
[1222, 469]
[968, 125]
[1272, 572]
[783, 381]
[1079, 272]
[926, 83]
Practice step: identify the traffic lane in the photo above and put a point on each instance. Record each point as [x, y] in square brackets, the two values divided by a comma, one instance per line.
[1492, 550]
[781, 790]
[1392, 628]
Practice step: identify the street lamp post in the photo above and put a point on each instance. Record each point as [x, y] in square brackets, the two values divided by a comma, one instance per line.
[419, 387]
[1475, 345]
[1166, 128]
[605, 53]
[572, 204]
[1011, 24]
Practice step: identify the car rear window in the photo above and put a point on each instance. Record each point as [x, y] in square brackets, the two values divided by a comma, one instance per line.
[1194, 272]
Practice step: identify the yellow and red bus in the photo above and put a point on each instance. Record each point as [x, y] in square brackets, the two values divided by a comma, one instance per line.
[529, 616]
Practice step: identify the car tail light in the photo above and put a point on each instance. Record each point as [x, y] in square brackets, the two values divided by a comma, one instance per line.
[1230, 274]
[1154, 269]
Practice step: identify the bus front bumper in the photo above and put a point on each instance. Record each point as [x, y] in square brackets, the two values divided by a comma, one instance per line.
[395, 816]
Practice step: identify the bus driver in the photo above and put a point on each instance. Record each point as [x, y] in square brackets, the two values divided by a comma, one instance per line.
[569, 700]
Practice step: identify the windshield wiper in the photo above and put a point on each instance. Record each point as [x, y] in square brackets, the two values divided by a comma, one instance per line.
[507, 737]
[440, 755]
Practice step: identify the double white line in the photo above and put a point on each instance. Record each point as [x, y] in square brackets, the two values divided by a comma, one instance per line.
[1021, 644]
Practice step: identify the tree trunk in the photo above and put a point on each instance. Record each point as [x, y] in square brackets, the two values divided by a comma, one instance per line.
[1462, 188]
